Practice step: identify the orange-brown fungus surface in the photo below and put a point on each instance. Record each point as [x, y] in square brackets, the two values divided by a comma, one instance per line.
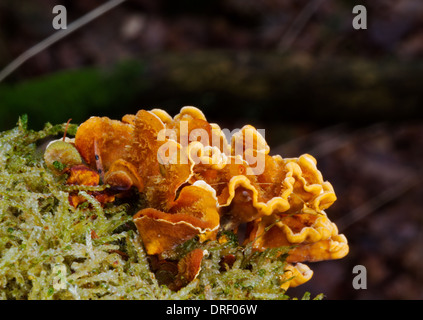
[194, 213]
[82, 175]
[196, 182]
[102, 138]
[189, 267]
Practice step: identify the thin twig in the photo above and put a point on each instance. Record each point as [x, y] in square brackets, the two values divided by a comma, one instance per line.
[300, 21]
[77, 24]
[377, 202]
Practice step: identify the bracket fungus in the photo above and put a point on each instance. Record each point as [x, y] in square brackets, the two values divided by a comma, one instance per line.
[193, 213]
[196, 183]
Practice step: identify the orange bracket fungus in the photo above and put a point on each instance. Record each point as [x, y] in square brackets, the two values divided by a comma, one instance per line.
[196, 183]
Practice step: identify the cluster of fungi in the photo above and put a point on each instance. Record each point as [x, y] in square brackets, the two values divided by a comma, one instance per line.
[213, 189]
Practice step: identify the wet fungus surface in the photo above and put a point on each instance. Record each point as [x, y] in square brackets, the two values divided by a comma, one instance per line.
[196, 185]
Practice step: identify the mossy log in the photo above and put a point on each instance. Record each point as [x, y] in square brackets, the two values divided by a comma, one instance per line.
[265, 87]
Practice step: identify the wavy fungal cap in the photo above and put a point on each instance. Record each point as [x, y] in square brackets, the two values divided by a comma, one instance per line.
[196, 183]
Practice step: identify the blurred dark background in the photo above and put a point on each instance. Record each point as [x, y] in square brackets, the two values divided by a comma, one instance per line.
[296, 68]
